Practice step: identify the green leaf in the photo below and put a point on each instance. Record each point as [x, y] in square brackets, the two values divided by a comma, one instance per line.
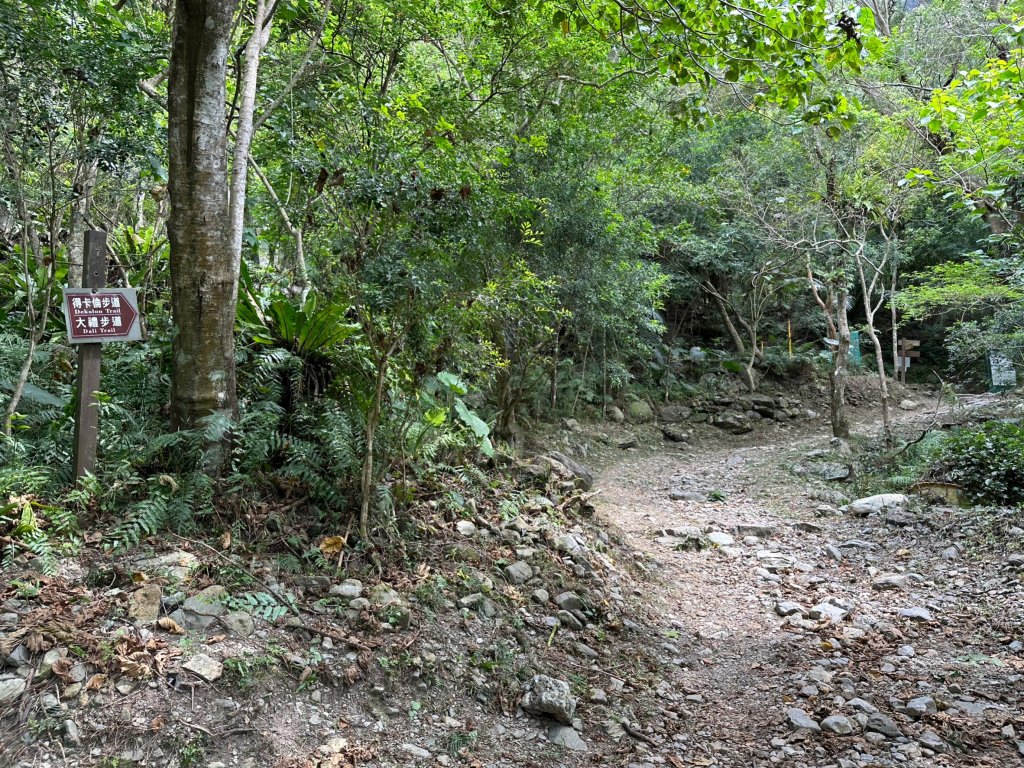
[471, 420]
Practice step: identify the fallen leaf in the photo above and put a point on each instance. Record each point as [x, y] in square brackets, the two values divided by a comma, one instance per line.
[62, 669]
[225, 540]
[96, 682]
[138, 577]
[133, 667]
[166, 622]
[216, 639]
[332, 545]
[157, 723]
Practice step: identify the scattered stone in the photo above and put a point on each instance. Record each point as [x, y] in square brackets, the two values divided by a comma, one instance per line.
[807, 527]
[630, 442]
[883, 502]
[382, 595]
[883, 724]
[834, 472]
[540, 596]
[144, 603]
[519, 572]
[545, 695]
[569, 601]
[350, 589]
[415, 751]
[838, 725]
[178, 565]
[921, 706]
[10, 689]
[569, 621]
[932, 741]
[239, 623]
[916, 614]
[465, 527]
[862, 706]
[674, 434]
[615, 414]
[598, 696]
[206, 667]
[890, 581]
[753, 529]
[720, 539]
[733, 422]
[788, 608]
[674, 414]
[50, 658]
[681, 495]
[832, 609]
[908, 405]
[565, 736]
[801, 721]
[72, 735]
[200, 611]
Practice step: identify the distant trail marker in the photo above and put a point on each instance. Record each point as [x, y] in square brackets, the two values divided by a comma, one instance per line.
[907, 351]
[94, 316]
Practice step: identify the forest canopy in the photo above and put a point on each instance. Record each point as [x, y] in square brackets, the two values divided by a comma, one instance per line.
[368, 238]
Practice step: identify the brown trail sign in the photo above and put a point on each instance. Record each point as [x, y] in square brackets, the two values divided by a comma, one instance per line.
[95, 315]
[907, 351]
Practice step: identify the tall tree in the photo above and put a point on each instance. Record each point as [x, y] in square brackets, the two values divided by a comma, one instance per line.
[204, 284]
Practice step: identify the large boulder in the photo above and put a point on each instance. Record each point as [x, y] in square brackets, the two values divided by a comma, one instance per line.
[639, 412]
[545, 695]
[572, 468]
[873, 505]
[733, 422]
[674, 414]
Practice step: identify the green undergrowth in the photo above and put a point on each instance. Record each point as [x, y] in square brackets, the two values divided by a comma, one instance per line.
[985, 462]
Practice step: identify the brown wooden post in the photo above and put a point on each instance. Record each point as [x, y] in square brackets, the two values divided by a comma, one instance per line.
[87, 417]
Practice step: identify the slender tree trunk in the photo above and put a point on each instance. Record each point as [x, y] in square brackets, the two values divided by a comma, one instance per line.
[204, 275]
[244, 129]
[372, 422]
[895, 327]
[870, 310]
[883, 381]
[505, 428]
[837, 379]
[554, 372]
[85, 181]
[730, 327]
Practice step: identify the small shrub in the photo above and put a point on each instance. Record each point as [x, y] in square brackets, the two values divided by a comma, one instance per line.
[987, 462]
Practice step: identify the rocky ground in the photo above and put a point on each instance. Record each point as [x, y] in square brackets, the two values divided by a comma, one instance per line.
[716, 603]
[815, 634]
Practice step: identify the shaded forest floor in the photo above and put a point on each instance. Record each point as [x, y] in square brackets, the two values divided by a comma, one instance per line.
[659, 601]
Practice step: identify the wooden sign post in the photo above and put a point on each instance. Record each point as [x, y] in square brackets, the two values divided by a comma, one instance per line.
[87, 416]
[95, 315]
[906, 352]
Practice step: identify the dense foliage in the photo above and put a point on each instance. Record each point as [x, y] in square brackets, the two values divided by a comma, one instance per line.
[987, 462]
[465, 217]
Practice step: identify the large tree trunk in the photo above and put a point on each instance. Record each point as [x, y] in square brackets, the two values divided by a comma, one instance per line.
[204, 277]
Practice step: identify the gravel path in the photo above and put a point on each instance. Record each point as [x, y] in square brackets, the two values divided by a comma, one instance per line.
[941, 684]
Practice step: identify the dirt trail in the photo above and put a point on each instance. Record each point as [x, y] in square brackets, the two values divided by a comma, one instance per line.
[738, 667]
